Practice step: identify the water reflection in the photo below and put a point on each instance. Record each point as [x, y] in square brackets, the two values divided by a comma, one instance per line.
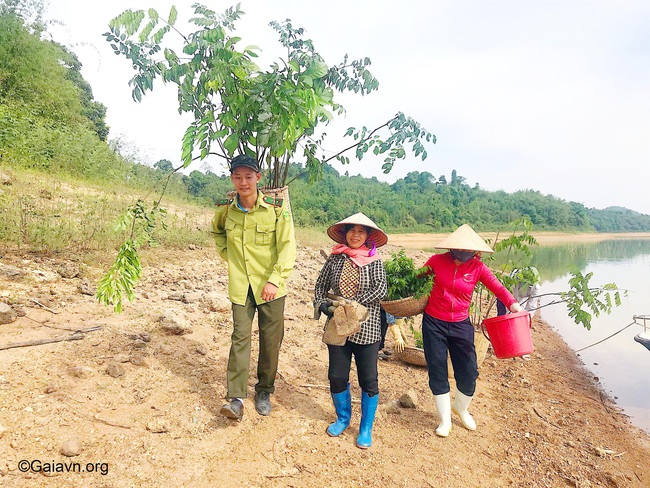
[554, 261]
[620, 363]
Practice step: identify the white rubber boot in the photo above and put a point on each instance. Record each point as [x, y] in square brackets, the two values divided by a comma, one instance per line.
[461, 403]
[443, 404]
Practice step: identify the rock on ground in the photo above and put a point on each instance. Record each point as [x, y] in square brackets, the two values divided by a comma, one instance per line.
[7, 314]
[172, 323]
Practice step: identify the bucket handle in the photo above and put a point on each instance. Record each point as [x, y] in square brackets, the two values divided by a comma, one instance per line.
[484, 330]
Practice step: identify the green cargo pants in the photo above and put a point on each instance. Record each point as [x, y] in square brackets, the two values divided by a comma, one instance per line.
[270, 319]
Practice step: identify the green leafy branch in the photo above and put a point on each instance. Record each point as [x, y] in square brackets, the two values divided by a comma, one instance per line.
[120, 279]
[581, 298]
[402, 130]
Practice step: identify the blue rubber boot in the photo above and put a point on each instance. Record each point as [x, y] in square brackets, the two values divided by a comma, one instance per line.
[343, 406]
[368, 410]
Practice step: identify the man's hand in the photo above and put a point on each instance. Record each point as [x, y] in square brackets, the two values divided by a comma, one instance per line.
[269, 291]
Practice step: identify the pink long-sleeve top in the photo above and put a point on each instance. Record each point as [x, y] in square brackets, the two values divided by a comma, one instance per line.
[454, 284]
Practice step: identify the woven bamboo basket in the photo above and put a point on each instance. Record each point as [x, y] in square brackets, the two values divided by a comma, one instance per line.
[405, 307]
[415, 355]
[412, 355]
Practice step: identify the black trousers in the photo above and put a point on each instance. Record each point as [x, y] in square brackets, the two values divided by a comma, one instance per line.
[457, 338]
[365, 357]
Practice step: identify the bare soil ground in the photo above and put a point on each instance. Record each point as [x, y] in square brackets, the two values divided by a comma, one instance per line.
[141, 406]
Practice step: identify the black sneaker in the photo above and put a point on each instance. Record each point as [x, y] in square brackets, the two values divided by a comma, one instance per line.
[233, 410]
[262, 402]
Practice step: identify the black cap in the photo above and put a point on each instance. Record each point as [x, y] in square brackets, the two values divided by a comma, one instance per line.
[246, 161]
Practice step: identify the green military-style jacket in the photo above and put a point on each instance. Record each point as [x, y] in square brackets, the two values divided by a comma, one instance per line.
[259, 245]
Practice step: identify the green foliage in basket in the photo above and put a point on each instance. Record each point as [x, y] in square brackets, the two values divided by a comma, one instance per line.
[402, 278]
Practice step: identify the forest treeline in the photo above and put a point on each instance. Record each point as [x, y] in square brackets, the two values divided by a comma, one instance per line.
[421, 202]
[50, 122]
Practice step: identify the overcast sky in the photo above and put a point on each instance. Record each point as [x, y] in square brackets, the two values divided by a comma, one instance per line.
[549, 95]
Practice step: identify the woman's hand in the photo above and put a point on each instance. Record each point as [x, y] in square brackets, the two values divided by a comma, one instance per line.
[397, 336]
[515, 307]
[327, 308]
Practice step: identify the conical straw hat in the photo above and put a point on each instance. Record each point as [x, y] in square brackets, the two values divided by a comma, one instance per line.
[464, 238]
[337, 231]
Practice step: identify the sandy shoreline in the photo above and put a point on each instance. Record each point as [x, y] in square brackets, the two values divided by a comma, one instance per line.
[428, 241]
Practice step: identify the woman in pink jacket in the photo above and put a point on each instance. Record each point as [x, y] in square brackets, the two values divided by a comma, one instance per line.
[446, 325]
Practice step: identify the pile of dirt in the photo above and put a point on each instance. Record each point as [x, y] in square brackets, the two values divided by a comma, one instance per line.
[135, 400]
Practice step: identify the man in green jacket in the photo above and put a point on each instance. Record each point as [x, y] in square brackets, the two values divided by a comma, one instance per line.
[255, 235]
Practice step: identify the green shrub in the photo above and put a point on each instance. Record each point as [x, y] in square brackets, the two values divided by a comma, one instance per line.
[402, 277]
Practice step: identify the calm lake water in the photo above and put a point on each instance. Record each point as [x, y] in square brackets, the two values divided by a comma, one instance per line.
[621, 364]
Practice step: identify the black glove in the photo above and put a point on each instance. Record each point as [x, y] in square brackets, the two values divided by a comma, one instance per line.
[327, 308]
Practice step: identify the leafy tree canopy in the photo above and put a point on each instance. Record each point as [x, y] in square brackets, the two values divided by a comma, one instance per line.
[240, 108]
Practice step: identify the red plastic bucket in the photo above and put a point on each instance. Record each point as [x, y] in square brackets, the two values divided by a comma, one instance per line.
[510, 334]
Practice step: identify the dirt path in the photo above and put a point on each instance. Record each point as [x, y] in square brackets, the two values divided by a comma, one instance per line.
[142, 406]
